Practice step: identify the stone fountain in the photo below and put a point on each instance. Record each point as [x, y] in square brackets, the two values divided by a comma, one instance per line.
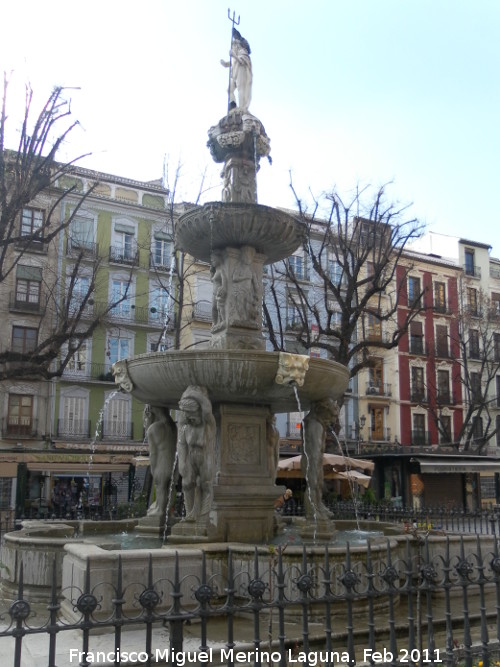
[227, 395]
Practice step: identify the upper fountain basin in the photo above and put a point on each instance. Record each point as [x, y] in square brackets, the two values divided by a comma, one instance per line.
[230, 376]
[217, 225]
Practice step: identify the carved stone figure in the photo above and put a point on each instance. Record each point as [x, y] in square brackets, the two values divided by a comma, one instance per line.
[241, 72]
[196, 447]
[161, 433]
[273, 449]
[321, 415]
[122, 378]
[292, 369]
[245, 287]
[219, 280]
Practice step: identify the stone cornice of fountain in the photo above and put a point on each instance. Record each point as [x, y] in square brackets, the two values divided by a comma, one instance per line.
[216, 225]
[230, 376]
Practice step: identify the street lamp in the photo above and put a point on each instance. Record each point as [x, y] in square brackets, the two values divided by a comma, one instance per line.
[360, 427]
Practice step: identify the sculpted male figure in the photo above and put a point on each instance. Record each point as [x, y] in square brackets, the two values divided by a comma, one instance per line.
[321, 415]
[161, 434]
[241, 72]
[196, 447]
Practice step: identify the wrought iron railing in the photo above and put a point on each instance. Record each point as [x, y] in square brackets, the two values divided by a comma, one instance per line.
[418, 605]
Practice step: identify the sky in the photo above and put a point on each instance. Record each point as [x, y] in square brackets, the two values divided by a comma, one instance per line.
[351, 93]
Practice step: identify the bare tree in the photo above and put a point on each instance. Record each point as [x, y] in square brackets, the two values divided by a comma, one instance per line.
[340, 293]
[33, 188]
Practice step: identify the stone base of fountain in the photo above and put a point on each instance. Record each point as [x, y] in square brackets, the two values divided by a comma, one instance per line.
[321, 530]
[151, 525]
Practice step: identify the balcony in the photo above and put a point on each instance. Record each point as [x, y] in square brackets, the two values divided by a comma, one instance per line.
[441, 308]
[117, 430]
[84, 249]
[127, 256]
[160, 263]
[29, 244]
[73, 428]
[445, 398]
[378, 389]
[443, 351]
[25, 304]
[472, 271]
[380, 435]
[420, 438]
[418, 395]
[88, 371]
[417, 346]
[15, 427]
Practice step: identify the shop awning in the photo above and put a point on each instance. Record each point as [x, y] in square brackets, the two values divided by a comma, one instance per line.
[457, 466]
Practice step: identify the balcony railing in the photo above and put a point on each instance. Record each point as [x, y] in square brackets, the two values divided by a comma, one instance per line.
[15, 427]
[378, 389]
[76, 248]
[73, 428]
[89, 371]
[472, 271]
[30, 245]
[418, 396]
[160, 263]
[117, 430]
[441, 308]
[443, 351]
[381, 435]
[417, 346]
[130, 257]
[420, 438]
[25, 305]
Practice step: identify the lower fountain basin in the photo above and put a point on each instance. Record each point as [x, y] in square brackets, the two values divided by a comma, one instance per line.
[230, 376]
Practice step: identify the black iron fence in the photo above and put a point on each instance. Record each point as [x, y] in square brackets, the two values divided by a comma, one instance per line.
[426, 603]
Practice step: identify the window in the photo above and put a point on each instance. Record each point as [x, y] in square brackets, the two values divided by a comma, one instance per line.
[442, 340]
[475, 387]
[125, 249]
[32, 222]
[416, 338]
[293, 319]
[445, 430]
[417, 384]
[20, 415]
[335, 272]
[82, 232]
[162, 252]
[297, 267]
[159, 302]
[116, 422]
[469, 262]
[118, 348]
[477, 428]
[24, 339]
[496, 346]
[443, 386]
[473, 343]
[28, 287]
[498, 390]
[414, 291]
[472, 300]
[74, 421]
[120, 296]
[440, 297]
[373, 327]
[5, 492]
[495, 303]
[78, 362]
[418, 434]
[497, 427]
[81, 289]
